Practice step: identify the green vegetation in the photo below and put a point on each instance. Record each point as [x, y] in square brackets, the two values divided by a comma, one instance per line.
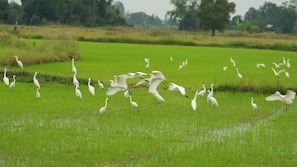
[61, 130]
[51, 49]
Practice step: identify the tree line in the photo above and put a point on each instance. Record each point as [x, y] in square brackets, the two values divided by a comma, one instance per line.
[71, 12]
[195, 15]
[188, 15]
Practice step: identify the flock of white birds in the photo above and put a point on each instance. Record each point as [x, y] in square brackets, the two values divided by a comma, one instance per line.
[156, 77]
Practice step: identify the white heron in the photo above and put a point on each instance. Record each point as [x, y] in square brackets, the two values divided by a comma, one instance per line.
[120, 83]
[225, 68]
[12, 84]
[193, 102]
[213, 100]
[156, 78]
[278, 65]
[35, 81]
[133, 103]
[137, 74]
[254, 105]
[144, 80]
[284, 60]
[103, 109]
[20, 64]
[287, 98]
[5, 78]
[210, 93]
[38, 96]
[147, 60]
[180, 67]
[75, 80]
[100, 84]
[277, 73]
[260, 65]
[203, 91]
[73, 66]
[238, 74]
[158, 96]
[78, 92]
[175, 87]
[233, 62]
[171, 59]
[288, 63]
[287, 74]
[147, 66]
[91, 88]
[126, 94]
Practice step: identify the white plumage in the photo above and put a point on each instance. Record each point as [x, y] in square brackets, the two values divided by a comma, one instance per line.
[277, 73]
[156, 78]
[78, 92]
[73, 66]
[133, 103]
[12, 84]
[287, 98]
[100, 84]
[5, 78]
[203, 91]
[193, 102]
[175, 87]
[91, 88]
[20, 64]
[35, 81]
[38, 96]
[74, 80]
[254, 105]
[103, 109]
[238, 74]
[158, 96]
[118, 84]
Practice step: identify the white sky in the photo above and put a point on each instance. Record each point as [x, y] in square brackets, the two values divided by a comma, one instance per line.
[160, 7]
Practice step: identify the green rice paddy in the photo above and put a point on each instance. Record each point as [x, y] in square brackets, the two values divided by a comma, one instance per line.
[62, 130]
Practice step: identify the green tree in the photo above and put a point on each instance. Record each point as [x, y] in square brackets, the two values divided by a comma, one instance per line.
[179, 12]
[215, 14]
[15, 13]
[4, 7]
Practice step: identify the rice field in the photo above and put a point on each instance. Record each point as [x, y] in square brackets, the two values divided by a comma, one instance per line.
[61, 130]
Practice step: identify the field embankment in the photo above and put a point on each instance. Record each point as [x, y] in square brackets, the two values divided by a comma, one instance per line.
[165, 36]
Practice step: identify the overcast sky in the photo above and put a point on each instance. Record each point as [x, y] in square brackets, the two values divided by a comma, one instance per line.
[160, 7]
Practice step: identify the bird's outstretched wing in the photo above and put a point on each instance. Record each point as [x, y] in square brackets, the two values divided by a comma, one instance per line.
[112, 90]
[181, 89]
[274, 97]
[290, 95]
[154, 84]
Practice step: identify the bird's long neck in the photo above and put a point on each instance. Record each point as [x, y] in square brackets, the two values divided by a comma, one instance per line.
[131, 99]
[105, 103]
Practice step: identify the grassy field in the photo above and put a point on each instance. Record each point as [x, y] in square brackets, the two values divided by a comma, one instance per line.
[164, 35]
[61, 130]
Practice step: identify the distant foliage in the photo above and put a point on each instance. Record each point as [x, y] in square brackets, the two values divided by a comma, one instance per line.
[90, 13]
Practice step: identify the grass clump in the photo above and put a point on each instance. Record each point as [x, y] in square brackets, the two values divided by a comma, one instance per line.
[51, 49]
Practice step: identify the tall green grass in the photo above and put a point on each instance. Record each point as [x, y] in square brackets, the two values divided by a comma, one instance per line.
[51, 49]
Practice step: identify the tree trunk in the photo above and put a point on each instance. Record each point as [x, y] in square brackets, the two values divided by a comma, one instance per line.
[213, 32]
